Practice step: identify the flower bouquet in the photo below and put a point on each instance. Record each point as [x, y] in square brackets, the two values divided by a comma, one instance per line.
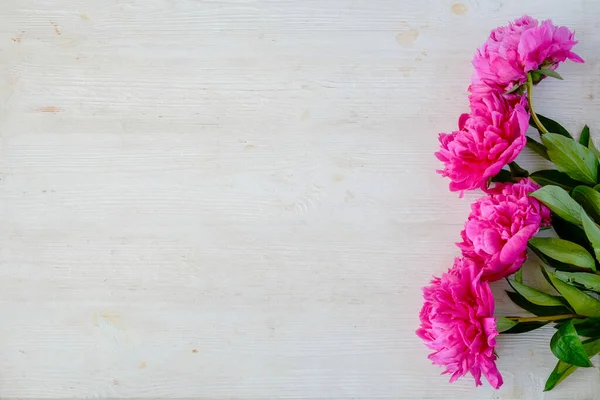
[457, 317]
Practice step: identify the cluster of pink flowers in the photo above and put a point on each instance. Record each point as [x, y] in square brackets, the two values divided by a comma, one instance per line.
[457, 318]
[493, 134]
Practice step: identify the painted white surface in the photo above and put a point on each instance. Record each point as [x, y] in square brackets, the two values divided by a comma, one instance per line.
[238, 199]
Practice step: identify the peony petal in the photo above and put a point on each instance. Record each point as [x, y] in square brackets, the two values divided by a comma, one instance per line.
[517, 245]
[491, 373]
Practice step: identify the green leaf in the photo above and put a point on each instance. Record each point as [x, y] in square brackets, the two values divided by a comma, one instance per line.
[546, 275]
[560, 372]
[551, 125]
[589, 200]
[502, 176]
[597, 188]
[552, 262]
[567, 347]
[513, 89]
[519, 275]
[559, 201]
[535, 296]
[504, 324]
[592, 346]
[584, 137]
[582, 303]
[563, 369]
[585, 279]
[537, 147]
[592, 232]
[591, 144]
[564, 251]
[553, 177]
[572, 158]
[589, 327]
[516, 171]
[540, 311]
[523, 327]
[571, 232]
[549, 72]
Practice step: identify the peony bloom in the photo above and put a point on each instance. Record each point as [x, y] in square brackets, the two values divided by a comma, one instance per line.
[547, 45]
[490, 137]
[457, 323]
[524, 45]
[500, 224]
[478, 90]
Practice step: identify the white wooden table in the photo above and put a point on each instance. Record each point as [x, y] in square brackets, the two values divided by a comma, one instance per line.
[237, 199]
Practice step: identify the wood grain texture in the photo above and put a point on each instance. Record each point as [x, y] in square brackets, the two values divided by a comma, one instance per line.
[237, 199]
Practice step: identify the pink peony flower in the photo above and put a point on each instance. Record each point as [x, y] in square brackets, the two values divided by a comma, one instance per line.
[511, 51]
[547, 44]
[478, 90]
[490, 137]
[457, 323]
[500, 224]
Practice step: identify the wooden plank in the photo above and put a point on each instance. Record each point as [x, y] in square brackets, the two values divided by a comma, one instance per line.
[238, 199]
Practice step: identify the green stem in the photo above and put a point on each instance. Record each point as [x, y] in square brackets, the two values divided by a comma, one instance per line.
[537, 121]
[548, 318]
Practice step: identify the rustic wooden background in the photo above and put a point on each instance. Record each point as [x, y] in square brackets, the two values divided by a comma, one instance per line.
[237, 199]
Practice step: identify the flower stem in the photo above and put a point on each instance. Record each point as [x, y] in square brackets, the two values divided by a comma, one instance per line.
[548, 318]
[537, 121]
